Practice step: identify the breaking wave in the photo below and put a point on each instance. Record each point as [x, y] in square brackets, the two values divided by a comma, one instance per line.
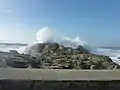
[45, 35]
[48, 35]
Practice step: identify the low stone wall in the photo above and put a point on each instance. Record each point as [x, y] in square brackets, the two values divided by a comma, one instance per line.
[59, 85]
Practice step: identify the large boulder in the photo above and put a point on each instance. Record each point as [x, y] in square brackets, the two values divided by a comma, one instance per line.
[82, 49]
[15, 60]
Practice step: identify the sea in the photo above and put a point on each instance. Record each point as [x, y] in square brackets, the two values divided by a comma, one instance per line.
[112, 52]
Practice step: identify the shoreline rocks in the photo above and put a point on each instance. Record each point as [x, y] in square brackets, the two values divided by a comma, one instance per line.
[55, 56]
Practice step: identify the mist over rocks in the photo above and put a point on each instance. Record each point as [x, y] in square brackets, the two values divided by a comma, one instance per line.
[72, 42]
[47, 35]
[53, 47]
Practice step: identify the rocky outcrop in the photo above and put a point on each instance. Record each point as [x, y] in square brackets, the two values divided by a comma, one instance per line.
[79, 61]
[55, 56]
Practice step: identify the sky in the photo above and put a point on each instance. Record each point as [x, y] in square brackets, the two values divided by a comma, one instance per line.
[95, 21]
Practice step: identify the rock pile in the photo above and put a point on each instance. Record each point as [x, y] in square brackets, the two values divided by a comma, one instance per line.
[56, 56]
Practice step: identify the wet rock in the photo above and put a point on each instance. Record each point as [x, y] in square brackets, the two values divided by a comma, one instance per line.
[51, 46]
[81, 49]
[20, 64]
[3, 63]
[14, 60]
[13, 51]
[118, 57]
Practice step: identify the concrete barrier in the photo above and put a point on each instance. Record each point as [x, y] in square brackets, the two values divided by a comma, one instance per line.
[58, 75]
[49, 79]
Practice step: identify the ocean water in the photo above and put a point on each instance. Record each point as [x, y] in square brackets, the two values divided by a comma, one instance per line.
[113, 53]
[6, 47]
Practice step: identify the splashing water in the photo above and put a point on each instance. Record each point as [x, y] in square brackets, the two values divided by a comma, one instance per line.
[48, 35]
